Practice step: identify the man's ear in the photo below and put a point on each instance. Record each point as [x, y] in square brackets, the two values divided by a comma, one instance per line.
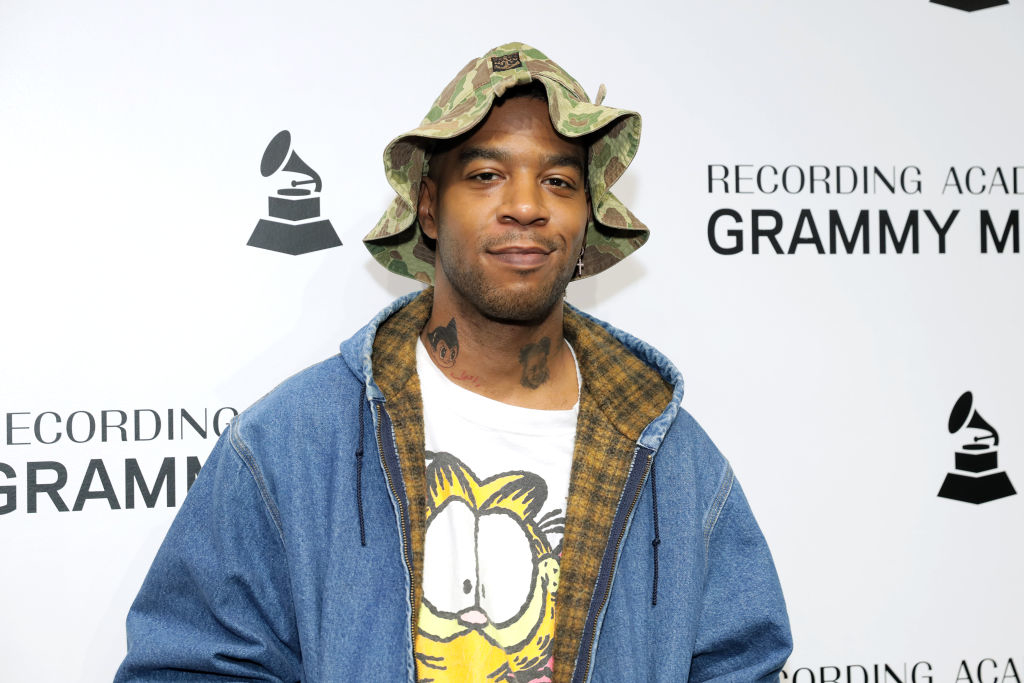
[426, 207]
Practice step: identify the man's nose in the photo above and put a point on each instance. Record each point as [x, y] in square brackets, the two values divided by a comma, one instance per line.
[524, 201]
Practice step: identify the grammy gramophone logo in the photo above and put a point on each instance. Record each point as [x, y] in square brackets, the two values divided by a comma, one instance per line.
[294, 225]
[971, 5]
[977, 478]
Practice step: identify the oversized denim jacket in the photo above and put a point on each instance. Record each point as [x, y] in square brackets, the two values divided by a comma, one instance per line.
[264, 574]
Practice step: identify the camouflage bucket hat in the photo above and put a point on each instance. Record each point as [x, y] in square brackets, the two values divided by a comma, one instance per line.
[613, 233]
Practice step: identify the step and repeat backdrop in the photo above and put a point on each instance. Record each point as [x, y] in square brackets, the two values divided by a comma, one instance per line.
[834, 192]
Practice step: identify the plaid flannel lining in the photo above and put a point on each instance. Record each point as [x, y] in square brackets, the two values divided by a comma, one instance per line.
[619, 396]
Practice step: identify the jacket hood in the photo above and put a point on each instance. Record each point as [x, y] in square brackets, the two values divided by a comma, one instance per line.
[357, 352]
[614, 135]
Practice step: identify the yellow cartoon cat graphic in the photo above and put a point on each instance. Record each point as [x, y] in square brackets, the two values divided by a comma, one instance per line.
[469, 630]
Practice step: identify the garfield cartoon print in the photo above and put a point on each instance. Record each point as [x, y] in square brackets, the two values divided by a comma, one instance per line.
[488, 616]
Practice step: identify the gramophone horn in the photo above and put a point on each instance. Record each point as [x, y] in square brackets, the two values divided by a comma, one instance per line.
[277, 158]
[276, 153]
[962, 415]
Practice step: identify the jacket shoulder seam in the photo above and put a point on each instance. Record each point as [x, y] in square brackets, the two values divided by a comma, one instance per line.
[245, 455]
[715, 510]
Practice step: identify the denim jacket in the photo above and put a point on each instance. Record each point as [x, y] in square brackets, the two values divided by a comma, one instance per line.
[297, 554]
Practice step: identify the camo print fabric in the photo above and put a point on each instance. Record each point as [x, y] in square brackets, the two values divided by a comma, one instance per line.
[614, 233]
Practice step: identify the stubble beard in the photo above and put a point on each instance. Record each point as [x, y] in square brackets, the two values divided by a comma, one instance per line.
[507, 305]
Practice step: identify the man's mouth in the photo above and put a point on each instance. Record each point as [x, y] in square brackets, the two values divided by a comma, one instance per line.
[521, 255]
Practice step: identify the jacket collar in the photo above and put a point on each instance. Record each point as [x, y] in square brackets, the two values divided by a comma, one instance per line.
[358, 354]
[635, 385]
[357, 351]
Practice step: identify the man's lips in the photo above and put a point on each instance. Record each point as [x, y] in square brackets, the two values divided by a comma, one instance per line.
[522, 256]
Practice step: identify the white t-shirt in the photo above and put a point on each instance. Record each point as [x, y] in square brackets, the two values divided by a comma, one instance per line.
[497, 484]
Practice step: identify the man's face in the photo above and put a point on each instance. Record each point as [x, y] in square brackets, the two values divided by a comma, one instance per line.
[509, 209]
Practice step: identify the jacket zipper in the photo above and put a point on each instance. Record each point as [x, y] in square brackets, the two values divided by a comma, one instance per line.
[405, 546]
[615, 556]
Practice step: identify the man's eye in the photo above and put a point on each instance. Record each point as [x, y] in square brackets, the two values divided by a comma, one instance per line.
[560, 182]
[485, 176]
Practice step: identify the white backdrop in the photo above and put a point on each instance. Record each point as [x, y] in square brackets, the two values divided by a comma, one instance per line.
[131, 138]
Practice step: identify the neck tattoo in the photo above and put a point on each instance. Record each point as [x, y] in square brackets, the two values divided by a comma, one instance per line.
[444, 340]
[534, 359]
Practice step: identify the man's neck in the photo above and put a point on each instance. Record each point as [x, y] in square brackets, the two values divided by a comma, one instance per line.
[523, 364]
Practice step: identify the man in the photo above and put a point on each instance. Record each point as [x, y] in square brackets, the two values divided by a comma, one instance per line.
[486, 484]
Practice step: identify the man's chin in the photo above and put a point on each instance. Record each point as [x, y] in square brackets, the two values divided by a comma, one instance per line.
[518, 305]
[521, 300]
[516, 311]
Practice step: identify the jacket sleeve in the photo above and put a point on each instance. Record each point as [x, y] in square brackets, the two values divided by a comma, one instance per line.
[744, 633]
[217, 600]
